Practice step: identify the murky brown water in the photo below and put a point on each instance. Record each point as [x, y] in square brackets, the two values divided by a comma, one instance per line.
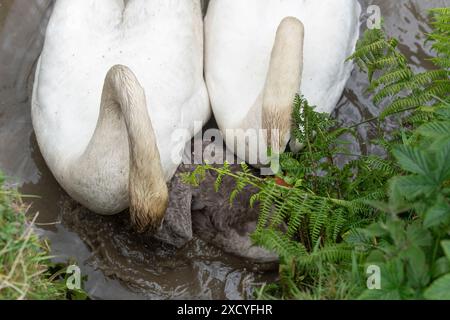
[118, 263]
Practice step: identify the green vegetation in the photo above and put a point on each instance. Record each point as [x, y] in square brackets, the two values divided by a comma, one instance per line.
[410, 241]
[25, 268]
[328, 221]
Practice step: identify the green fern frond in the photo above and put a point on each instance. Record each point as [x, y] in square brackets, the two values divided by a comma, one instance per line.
[378, 55]
[377, 163]
[318, 219]
[278, 242]
[328, 254]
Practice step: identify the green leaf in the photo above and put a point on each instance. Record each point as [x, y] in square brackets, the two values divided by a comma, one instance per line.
[417, 235]
[376, 230]
[437, 214]
[439, 289]
[410, 188]
[446, 246]
[435, 129]
[417, 268]
[440, 267]
[392, 274]
[413, 160]
[397, 232]
[376, 257]
[443, 161]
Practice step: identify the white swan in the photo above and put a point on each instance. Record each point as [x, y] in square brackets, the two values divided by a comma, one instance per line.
[108, 141]
[260, 53]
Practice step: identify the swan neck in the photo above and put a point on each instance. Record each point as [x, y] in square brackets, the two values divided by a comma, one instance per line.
[283, 82]
[124, 108]
[272, 111]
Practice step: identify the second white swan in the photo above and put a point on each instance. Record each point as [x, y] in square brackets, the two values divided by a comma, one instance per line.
[260, 53]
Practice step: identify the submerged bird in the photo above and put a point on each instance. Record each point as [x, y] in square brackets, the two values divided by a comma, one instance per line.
[114, 80]
[260, 53]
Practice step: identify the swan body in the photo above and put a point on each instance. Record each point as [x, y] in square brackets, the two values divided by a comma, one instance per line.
[109, 141]
[256, 59]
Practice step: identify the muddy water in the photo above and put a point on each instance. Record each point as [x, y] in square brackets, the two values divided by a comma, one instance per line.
[119, 264]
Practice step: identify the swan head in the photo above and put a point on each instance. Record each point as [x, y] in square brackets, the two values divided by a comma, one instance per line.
[148, 206]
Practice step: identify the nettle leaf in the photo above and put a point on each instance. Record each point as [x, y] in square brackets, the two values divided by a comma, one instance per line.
[440, 267]
[413, 160]
[437, 214]
[397, 232]
[439, 290]
[417, 268]
[392, 274]
[397, 203]
[376, 230]
[376, 257]
[443, 161]
[418, 236]
[410, 188]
